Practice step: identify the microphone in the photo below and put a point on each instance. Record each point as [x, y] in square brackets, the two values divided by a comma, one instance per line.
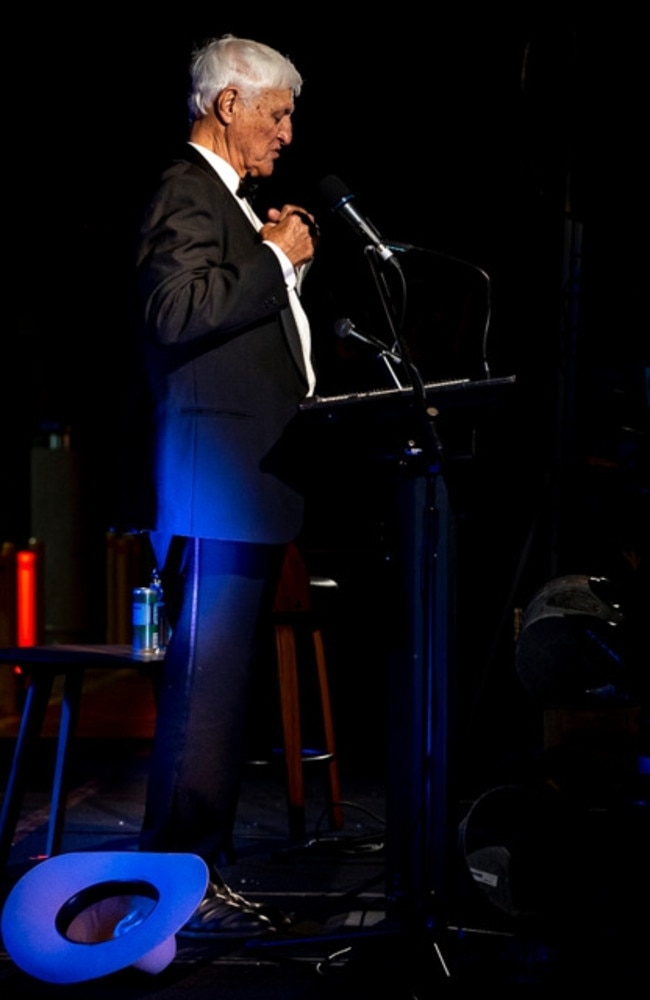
[339, 199]
[345, 328]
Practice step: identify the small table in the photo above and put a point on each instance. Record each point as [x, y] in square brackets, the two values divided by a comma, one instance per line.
[42, 664]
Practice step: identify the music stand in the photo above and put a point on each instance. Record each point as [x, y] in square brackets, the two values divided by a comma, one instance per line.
[422, 667]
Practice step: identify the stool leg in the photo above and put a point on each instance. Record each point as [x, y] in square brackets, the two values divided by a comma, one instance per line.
[290, 709]
[31, 722]
[68, 721]
[335, 811]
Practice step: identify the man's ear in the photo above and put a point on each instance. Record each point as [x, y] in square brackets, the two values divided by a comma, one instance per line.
[224, 105]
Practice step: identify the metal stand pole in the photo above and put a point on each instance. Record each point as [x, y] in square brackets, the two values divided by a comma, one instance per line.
[418, 868]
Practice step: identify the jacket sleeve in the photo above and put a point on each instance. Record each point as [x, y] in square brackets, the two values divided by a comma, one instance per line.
[202, 272]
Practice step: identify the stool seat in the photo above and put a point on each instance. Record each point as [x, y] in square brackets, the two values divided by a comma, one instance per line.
[70, 656]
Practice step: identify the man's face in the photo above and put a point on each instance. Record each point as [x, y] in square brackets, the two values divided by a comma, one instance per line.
[259, 130]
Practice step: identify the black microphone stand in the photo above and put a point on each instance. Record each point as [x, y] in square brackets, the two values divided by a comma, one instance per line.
[344, 328]
[418, 828]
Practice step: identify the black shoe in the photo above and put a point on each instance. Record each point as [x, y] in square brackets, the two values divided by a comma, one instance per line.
[223, 913]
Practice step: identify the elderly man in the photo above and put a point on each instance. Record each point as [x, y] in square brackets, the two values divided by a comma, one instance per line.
[227, 351]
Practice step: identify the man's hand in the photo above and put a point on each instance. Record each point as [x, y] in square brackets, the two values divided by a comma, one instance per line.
[294, 230]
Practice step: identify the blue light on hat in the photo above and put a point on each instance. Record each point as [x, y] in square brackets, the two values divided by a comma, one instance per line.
[84, 915]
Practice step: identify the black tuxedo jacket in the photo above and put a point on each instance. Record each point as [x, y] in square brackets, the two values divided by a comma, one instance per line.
[223, 361]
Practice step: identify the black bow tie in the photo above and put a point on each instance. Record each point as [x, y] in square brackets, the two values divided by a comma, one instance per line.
[247, 187]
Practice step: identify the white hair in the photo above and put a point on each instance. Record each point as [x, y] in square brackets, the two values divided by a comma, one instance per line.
[229, 61]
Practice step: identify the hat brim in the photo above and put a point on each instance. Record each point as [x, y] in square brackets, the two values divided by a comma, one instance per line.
[31, 914]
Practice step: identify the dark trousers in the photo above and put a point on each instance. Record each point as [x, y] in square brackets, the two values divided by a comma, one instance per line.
[219, 597]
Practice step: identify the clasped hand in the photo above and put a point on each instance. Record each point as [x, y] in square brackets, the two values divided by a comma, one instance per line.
[294, 230]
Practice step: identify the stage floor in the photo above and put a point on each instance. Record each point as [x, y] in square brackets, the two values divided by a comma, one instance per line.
[344, 938]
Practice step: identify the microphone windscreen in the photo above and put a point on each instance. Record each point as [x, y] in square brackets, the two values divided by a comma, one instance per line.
[333, 191]
[343, 327]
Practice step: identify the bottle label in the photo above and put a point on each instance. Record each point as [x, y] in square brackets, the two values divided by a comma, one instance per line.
[141, 614]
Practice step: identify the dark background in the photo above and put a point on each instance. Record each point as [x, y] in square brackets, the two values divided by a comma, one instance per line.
[512, 141]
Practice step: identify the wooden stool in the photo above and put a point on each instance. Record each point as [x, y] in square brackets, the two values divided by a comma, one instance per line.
[292, 618]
